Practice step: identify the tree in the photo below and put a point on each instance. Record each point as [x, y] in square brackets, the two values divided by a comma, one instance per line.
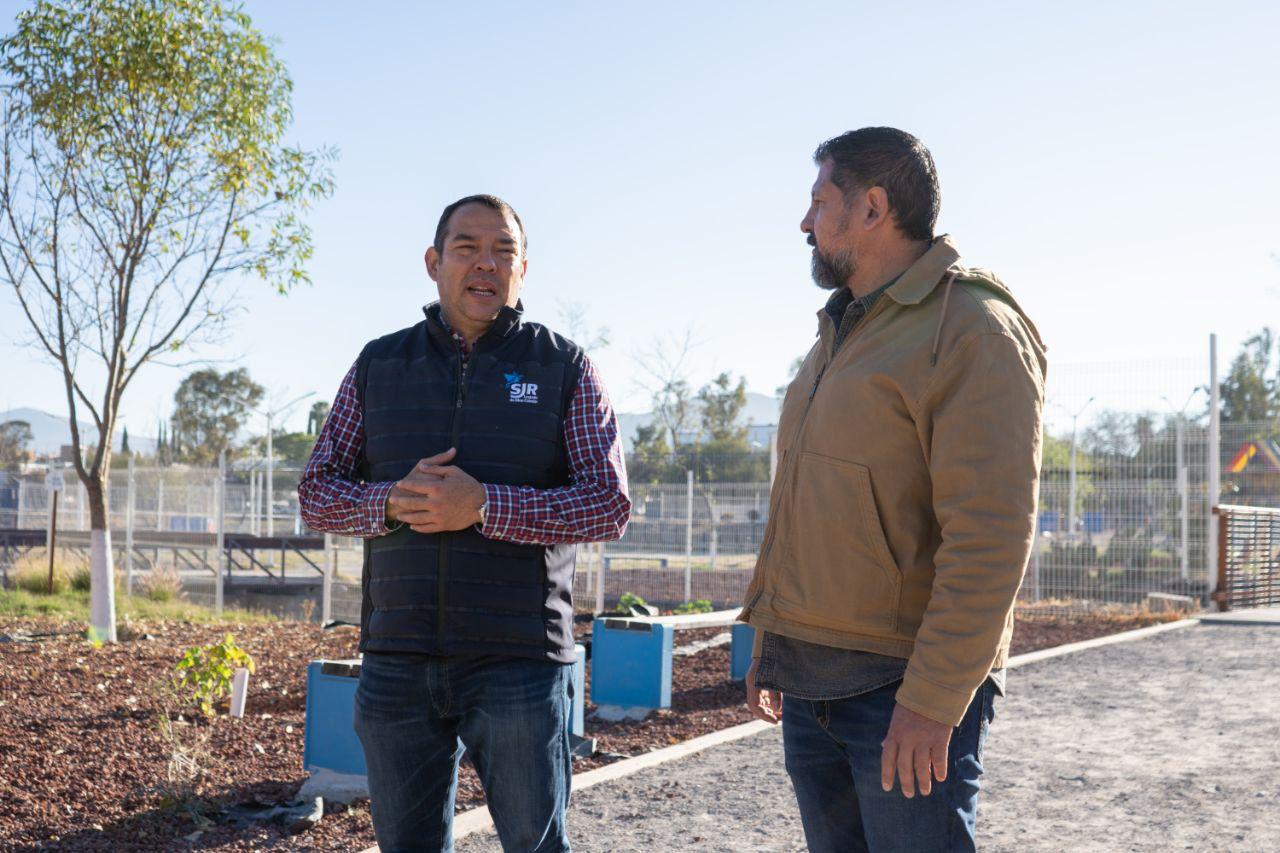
[209, 409]
[124, 442]
[722, 403]
[665, 366]
[573, 318]
[1250, 392]
[292, 448]
[14, 438]
[317, 416]
[143, 166]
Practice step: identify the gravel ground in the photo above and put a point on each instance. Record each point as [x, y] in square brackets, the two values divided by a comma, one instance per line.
[1174, 744]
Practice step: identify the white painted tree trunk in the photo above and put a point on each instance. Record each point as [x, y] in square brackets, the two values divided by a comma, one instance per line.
[102, 595]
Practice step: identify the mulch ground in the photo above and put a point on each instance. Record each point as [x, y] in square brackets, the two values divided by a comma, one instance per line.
[83, 762]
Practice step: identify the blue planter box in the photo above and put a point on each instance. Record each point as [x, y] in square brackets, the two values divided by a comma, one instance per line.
[631, 663]
[743, 636]
[329, 741]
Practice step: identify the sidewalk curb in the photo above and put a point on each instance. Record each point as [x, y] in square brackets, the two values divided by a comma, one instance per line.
[1109, 639]
[478, 819]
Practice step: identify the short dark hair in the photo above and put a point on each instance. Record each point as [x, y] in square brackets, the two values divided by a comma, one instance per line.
[895, 160]
[489, 201]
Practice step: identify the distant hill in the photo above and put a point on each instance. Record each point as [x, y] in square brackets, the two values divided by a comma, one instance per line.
[761, 411]
[50, 432]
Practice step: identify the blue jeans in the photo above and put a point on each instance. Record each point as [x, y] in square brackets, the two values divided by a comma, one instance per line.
[415, 713]
[832, 751]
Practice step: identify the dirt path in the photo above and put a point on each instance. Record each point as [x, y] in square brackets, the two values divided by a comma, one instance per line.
[1168, 743]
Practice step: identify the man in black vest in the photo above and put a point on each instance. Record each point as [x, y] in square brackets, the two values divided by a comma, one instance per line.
[471, 451]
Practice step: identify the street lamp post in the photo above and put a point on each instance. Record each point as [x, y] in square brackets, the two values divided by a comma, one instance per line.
[269, 489]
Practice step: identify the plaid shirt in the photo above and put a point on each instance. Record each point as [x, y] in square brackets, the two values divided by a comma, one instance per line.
[594, 507]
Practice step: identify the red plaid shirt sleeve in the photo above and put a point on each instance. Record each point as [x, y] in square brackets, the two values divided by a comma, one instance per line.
[331, 496]
[594, 507]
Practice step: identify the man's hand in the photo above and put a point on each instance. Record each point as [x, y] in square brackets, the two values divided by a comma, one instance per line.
[764, 704]
[435, 499]
[916, 747]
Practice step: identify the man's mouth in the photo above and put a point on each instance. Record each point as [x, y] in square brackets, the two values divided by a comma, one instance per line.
[482, 290]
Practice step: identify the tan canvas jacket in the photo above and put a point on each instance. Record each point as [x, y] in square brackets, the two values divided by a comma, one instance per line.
[902, 508]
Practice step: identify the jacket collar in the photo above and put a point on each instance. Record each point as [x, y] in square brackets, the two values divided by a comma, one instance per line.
[925, 274]
[507, 320]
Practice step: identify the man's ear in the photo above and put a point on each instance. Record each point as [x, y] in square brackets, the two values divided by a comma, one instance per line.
[433, 262]
[877, 213]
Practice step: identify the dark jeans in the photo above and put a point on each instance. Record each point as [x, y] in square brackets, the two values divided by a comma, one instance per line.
[413, 715]
[832, 753]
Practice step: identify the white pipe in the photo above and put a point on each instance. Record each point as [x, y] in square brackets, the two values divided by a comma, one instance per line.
[130, 499]
[1214, 473]
[221, 555]
[688, 535]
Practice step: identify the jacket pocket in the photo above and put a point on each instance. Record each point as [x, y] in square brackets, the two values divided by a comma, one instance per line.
[835, 569]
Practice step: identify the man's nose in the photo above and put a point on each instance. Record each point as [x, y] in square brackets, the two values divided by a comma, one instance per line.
[486, 261]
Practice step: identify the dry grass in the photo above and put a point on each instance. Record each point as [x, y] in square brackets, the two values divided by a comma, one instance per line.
[30, 572]
[161, 584]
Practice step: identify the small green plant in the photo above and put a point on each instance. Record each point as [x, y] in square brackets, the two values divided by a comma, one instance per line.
[205, 672]
[702, 605]
[629, 600]
[81, 580]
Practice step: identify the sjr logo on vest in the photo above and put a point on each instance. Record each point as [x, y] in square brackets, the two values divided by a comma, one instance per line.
[521, 391]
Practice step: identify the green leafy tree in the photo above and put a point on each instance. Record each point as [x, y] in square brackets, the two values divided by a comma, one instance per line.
[14, 438]
[317, 416]
[722, 404]
[292, 448]
[143, 166]
[209, 409]
[1250, 392]
[651, 459]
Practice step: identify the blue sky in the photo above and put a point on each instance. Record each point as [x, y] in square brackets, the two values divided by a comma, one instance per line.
[1115, 164]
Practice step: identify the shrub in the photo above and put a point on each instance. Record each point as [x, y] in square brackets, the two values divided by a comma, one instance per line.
[81, 579]
[205, 672]
[629, 600]
[161, 584]
[34, 579]
[702, 605]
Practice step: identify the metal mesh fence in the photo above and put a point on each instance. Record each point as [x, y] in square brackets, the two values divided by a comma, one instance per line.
[1123, 510]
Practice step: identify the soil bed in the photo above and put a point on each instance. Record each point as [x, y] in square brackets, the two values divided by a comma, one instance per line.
[84, 763]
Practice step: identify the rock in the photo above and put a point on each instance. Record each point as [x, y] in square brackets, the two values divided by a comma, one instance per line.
[1167, 602]
[298, 816]
[335, 787]
[616, 713]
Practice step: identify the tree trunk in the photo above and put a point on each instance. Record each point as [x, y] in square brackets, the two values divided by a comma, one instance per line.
[102, 592]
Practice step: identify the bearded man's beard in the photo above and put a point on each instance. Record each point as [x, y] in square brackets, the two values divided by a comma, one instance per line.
[833, 271]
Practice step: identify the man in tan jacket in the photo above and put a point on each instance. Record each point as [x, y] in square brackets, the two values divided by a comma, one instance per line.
[901, 515]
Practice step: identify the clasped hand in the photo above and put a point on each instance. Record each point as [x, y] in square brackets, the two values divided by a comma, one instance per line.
[436, 497]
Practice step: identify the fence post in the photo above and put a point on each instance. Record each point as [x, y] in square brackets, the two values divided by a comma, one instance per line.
[159, 499]
[326, 587]
[22, 502]
[219, 491]
[1214, 474]
[1035, 551]
[130, 497]
[600, 580]
[1184, 500]
[688, 535]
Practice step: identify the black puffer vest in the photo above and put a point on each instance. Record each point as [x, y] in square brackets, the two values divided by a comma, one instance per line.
[460, 593]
